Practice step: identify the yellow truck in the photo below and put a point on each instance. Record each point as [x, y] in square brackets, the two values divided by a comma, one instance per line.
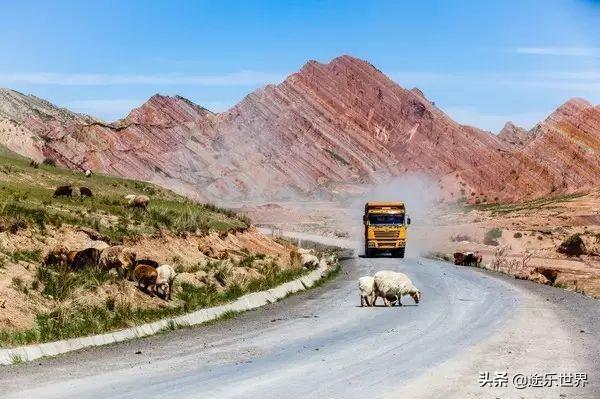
[385, 228]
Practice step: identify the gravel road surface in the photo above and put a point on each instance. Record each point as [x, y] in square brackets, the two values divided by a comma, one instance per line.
[321, 344]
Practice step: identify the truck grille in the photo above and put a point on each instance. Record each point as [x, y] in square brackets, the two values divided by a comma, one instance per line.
[386, 238]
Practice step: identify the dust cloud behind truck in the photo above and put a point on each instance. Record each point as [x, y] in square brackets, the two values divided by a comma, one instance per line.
[385, 228]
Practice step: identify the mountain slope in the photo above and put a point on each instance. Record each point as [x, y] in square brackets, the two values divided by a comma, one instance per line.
[327, 129]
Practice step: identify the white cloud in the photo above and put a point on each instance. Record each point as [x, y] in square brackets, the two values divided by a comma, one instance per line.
[493, 122]
[561, 51]
[241, 78]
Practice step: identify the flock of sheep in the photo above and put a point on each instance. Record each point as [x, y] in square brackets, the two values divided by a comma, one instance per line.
[149, 275]
[132, 200]
[388, 285]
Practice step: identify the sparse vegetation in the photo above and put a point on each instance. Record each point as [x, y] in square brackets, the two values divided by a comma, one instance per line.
[26, 200]
[337, 157]
[68, 320]
[518, 235]
[491, 236]
[505, 208]
[572, 246]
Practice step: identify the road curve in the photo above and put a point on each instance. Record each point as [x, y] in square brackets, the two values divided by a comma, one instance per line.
[321, 344]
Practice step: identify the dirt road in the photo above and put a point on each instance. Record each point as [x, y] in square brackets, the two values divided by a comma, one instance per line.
[320, 344]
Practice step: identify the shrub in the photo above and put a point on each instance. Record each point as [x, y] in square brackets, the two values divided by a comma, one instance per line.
[572, 246]
[491, 236]
[49, 162]
[518, 235]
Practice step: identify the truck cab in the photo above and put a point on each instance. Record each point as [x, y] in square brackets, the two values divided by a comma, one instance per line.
[385, 228]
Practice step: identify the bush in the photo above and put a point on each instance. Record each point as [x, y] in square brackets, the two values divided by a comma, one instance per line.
[518, 235]
[572, 246]
[491, 236]
[49, 162]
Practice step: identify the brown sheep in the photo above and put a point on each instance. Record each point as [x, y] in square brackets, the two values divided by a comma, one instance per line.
[85, 192]
[89, 257]
[71, 257]
[148, 262]
[146, 278]
[63, 191]
[57, 256]
[120, 258]
[141, 201]
[459, 258]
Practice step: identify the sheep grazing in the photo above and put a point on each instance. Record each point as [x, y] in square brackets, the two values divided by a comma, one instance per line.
[85, 192]
[71, 257]
[120, 258]
[148, 262]
[137, 201]
[164, 281]
[89, 257]
[468, 259]
[129, 198]
[63, 191]
[366, 286]
[146, 276]
[57, 256]
[309, 261]
[391, 286]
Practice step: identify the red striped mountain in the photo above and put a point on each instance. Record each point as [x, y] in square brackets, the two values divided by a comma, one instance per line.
[326, 129]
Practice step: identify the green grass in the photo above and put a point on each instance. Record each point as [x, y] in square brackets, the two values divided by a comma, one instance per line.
[439, 256]
[59, 282]
[337, 157]
[16, 359]
[33, 256]
[505, 208]
[26, 201]
[69, 321]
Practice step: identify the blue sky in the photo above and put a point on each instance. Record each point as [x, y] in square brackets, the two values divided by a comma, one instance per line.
[482, 62]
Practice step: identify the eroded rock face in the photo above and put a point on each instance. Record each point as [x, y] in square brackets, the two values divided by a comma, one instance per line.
[514, 135]
[323, 131]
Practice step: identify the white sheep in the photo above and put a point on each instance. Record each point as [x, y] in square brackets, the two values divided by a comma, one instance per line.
[309, 261]
[366, 286]
[305, 251]
[391, 286]
[137, 201]
[130, 198]
[164, 281]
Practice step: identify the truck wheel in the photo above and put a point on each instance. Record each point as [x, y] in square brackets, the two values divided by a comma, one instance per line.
[368, 252]
[398, 253]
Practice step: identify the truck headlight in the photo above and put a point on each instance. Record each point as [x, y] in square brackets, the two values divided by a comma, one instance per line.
[371, 243]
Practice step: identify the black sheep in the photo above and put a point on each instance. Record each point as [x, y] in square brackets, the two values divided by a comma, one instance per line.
[89, 257]
[85, 192]
[63, 191]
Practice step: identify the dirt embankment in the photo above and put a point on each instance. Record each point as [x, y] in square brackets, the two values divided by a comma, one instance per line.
[555, 241]
[216, 260]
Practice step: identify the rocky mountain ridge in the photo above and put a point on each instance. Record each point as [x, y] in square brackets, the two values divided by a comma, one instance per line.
[327, 130]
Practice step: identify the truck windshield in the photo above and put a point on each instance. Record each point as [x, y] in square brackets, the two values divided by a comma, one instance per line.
[386, 219]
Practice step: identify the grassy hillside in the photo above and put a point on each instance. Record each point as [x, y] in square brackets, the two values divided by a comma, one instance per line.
[26, 199]
[216, 256]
